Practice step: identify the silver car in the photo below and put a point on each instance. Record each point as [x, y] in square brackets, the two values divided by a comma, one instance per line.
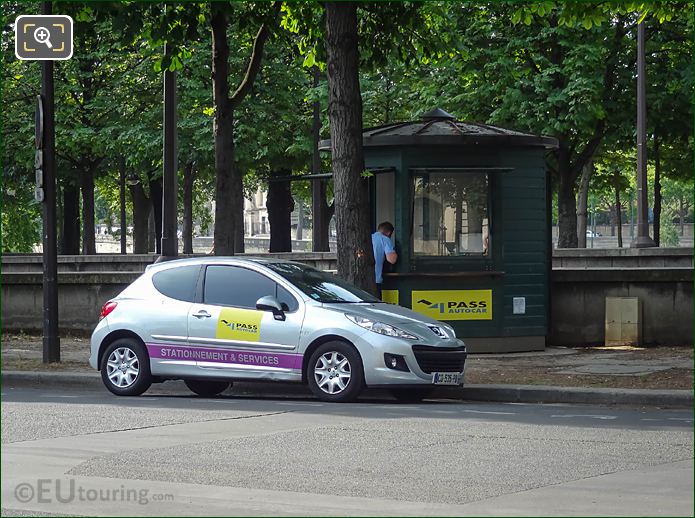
[214, 320]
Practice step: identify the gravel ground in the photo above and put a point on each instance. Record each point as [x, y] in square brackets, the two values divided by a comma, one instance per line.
[46, 420]
[429, 460]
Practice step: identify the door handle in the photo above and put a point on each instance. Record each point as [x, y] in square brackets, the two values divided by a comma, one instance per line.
[202, 314]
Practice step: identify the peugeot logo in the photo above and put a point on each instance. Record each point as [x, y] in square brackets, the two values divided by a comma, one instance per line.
[437, 331]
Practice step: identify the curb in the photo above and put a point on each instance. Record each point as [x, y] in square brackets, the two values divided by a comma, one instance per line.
[497, 393]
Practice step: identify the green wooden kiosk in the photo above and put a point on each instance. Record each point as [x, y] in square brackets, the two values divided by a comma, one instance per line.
[471, 208]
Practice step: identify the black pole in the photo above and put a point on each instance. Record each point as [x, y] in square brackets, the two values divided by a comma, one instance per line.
[170, 246]
[51, 339]
[121, 187]
[317, 186]
[642, 240]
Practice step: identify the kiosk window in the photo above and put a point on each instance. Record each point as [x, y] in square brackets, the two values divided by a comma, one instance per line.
[451, 214]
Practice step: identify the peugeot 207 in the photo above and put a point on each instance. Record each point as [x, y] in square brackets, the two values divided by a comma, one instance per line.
[213, 321]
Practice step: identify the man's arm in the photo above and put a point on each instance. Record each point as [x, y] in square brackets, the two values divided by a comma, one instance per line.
[389, 252]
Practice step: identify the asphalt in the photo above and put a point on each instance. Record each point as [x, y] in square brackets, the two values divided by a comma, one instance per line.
[290, 455]
[617, 363]
[498, 393]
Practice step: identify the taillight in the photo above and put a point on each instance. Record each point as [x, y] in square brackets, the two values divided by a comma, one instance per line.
[107, 308]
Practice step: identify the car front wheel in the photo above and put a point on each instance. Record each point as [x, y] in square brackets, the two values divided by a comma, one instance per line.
[125, 368]
[335, 372]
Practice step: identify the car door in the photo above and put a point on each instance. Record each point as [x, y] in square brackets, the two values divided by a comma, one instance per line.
[228, 332]
[165, 317]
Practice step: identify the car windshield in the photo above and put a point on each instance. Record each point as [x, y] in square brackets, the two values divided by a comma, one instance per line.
[321, 286]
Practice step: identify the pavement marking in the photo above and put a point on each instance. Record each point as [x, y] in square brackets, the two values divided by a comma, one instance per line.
[62, 396]
[686, 419]
[488, 412]
[590, 416]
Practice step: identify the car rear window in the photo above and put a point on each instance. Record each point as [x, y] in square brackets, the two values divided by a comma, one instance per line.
[178, 283]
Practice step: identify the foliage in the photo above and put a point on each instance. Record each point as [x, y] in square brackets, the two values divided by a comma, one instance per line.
[564, 69]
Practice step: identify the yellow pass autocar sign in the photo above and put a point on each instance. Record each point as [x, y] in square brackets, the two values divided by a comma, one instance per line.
[454, 304]
[239, 324]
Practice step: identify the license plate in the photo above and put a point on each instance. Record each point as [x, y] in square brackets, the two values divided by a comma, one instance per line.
[447, 378]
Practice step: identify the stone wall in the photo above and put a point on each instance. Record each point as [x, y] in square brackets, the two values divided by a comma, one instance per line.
[580, 282]
[578, 303]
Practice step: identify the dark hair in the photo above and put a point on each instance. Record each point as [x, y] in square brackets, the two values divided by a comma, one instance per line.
[386, 225]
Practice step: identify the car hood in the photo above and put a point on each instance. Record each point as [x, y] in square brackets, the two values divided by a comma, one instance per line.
[404, 318]
[383, 312]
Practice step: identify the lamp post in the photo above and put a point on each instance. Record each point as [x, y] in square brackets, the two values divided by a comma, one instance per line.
[45, 142]
[642, 240]
[170, 244]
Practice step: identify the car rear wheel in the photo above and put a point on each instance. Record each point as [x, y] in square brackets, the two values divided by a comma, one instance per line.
[411, 395]
[207, 388]
[125, 367]
[335, 372]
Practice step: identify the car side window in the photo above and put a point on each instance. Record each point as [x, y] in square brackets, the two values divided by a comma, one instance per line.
[178, 283]
[234, 286]
[286, 299]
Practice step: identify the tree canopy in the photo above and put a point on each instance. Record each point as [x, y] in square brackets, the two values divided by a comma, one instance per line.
[561, 69]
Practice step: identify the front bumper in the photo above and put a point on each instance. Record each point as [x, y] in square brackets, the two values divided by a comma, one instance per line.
[420, 368]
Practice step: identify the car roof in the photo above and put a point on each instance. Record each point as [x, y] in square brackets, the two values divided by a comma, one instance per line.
[219, 259]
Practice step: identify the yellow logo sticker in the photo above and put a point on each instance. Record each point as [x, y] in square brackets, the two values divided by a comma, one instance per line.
[239, 324]
[454, 304]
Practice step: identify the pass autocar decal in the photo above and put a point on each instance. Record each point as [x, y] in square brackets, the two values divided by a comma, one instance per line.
[239, 324]
[454, 304]
[219, 355]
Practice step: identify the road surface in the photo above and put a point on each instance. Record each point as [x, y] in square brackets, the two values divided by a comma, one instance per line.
[168, 453]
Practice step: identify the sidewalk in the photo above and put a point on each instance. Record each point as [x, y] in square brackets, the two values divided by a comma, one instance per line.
[661, 376]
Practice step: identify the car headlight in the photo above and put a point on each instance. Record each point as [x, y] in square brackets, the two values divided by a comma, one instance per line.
[449, 330]
[380, 327]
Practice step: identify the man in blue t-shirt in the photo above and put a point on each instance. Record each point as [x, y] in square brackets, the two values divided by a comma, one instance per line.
[383, 249]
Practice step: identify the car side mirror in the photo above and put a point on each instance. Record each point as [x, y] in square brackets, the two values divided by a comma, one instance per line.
[270, 303]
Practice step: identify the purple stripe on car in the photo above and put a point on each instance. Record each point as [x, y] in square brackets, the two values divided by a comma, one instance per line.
[223, 355]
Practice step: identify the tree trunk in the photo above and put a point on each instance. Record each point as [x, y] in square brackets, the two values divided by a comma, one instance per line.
[582, 209]
[141, 212]
[657, 192]
[156, 193]
[121, 193]
[618, 211]
[71, 220]
[681, 216]
[229, 194]
[151, 233]
[88, 238]
[60, 219]
[240, 232]
[188, 179]
[280, 206]
[226, 200]
[611, 219]
[566, 201]
[355, 257]
[300, 220]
